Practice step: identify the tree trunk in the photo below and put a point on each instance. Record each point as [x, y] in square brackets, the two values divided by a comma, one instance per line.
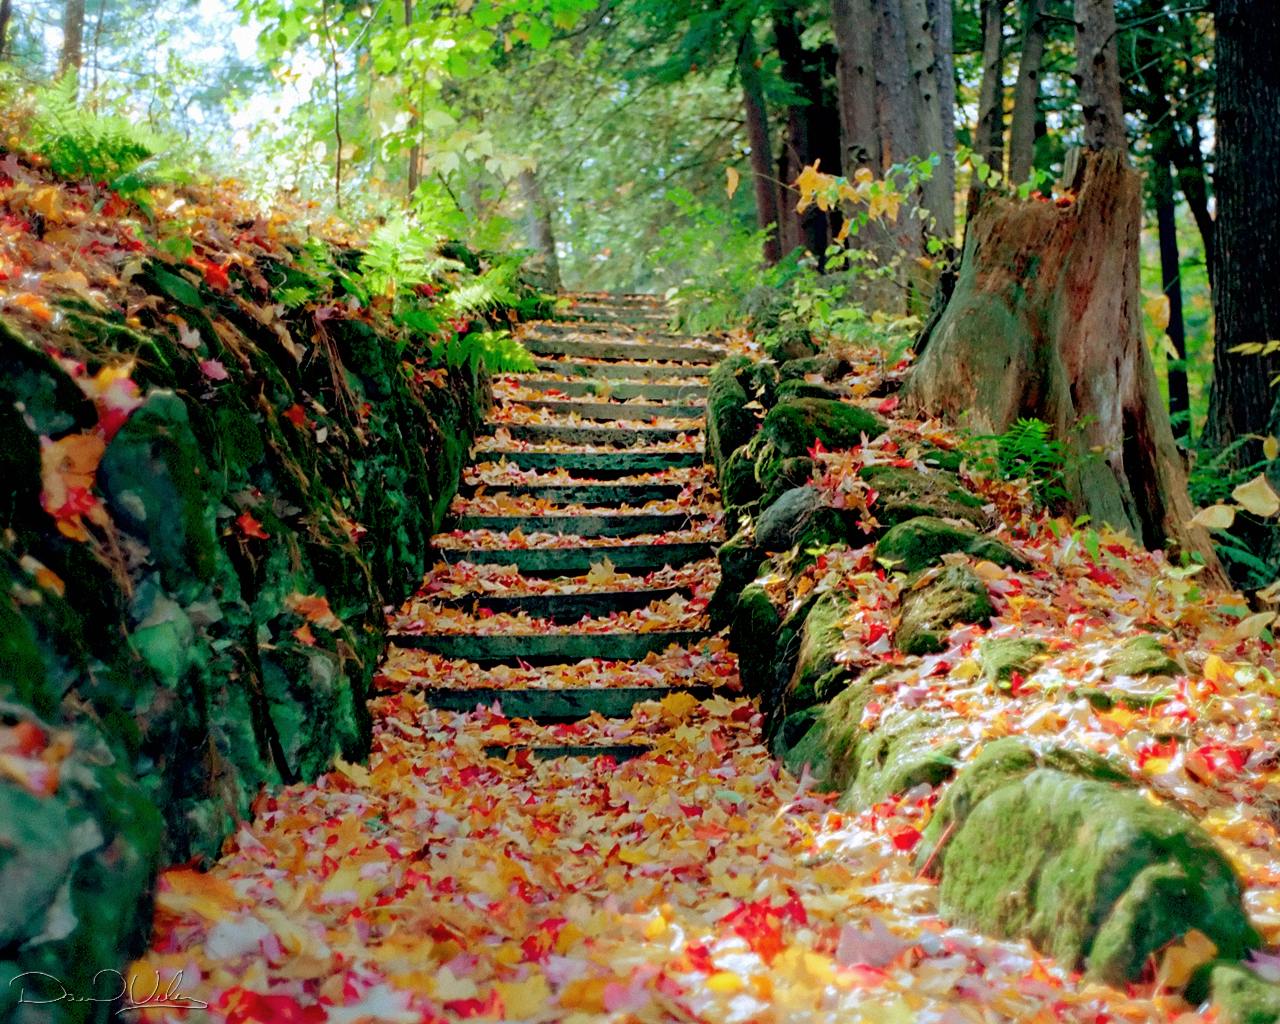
[72, 37]
[537, 219]
[762, 167]
[1193, 180]
[1044, 322]
[1098, 75]
[807, 230]
[1026, 93]
[942, 18]
[414, 167]
[1246, 304]
[988, 140]
[6, 16]
[924, 85]
[895, 113]
[856, 74]
[1171, 279]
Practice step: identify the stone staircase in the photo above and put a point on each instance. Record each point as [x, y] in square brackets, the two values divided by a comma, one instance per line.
[595, 455]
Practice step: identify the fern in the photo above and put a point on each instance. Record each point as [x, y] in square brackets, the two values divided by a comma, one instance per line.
[496, 351]
[496, 288]
[1027, 450]
[400, 256]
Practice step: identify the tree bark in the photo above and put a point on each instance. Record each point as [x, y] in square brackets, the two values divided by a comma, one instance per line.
[1026, 93]
[852, 22]
[1044, 322]
[72, 37]
[414, 167]
[924, 84]
[6, 16]
[989, 139]
[941, 17]
[895, 113]
[762, 166]
[1171, 280]
[538, 230]
[1098, 75]
[809, 229]
[1193, 180]
[1246, 304]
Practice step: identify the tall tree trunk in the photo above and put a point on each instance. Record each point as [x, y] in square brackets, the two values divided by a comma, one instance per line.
[941, 16]
[1044, 322]
[6, 16]
[808, 229]
[1246, 303]
[1026, 93]
[926, 106]
[1171, 280]
[1193, 180]
[72, 37]
[538, 230]
[1098, 75]
[988, 141]
[762, 166]
[895, 113]
[414, 168]
[856, 75]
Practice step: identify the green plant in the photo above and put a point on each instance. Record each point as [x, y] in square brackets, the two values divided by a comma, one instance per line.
[1026, 451]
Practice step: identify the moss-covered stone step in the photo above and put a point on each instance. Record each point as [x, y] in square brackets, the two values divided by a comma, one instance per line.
[620, 525]
[568, 705]
[606, 389]
[598, 464]
[547, 648]
[615, 410]
[632, 350]
[626, 313]
[572, 561]
[573, 329]
[617, 751]
[623, 370]
[568, 434]
[634, 495]
[566, 608]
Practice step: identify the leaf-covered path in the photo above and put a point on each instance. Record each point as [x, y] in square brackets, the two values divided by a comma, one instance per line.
[569, 813]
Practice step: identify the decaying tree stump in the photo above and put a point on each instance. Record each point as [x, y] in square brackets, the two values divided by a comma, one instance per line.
[1044, 322]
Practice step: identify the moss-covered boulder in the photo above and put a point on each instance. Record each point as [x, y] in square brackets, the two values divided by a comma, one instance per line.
[820, 641]
[795, 425]
[788, 340]
[1241, 997]
[790, 390]
[802, 518]
[1089, 870]
[1001, 657]
[1139, 656]
[753, 635]
[903, 494]
[955, 595]
[921, 542]
[793, 472]
[825, 365]
[907, 748]
[829, 745]
[740, 560]
[729, 423]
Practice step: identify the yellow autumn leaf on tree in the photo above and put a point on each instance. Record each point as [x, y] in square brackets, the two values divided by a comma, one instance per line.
[1157, 308]
[1257, 497]
[1215, 517]
[732, 179]
[1271, 448]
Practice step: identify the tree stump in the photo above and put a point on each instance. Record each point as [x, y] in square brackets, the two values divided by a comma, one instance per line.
[1044, 322]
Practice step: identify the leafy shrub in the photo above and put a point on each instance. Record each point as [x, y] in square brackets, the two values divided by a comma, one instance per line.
[1026, 451]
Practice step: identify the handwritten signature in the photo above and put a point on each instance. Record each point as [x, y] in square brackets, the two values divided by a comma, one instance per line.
[107, 986]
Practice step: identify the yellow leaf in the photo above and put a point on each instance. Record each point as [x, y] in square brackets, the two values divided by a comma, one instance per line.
[679, 705]
[601, 572]
[1257, 497]
[356, 773]
[47, 202]
[1184, 958]
[1271, 448]
[724, 982]
[524, 999]
[634, 856]
[1253, 625]
[732, 179]
[584, 994]
[1215, 517]
[1157, 308]
[1218, 671]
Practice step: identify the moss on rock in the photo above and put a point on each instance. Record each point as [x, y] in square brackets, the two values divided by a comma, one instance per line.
[956, 595]
[906, 749]
[738, 486]
[730, 424]
[802, 518]
[820, 641]
[1000, 657]
[1241, 997]
[739, 559]
[753, 635]
[1138, 656]
[793, 472]
[795, 425]
[921, 542]
[903, 494]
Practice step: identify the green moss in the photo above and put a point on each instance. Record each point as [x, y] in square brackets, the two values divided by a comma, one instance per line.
[906, 749]
[830, 747]
[1241, 997]
[740, 560]
[1141, 655]
[903, 494]
[738, 485]
[1090, 872]
[1000, 657]
[828, 367]
[956, 595]
[798, 740]
[730, 424]
[794, 426]
[789, 390]
[793, 472]
[801, 518]
[820, 641]
[921, 542]
[753, 634]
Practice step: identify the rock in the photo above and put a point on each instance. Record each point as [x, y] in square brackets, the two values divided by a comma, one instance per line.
[828, 367]
[919, 543]
[801, 517]
[1141, 655]
[730, 424]
[794, 426]
[1090, 871]
[738, 486]
[789, 340]
[906, 749]
[1002, 656]
[739, 559]
[903, 494]
[789, 390]
[753, 635]
[796, 742]
[794, 472]
[1241, 997]
[820, 639]
[956, 595]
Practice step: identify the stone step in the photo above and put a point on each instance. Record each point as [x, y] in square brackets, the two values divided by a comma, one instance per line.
[618, 298]
[605, 410]
[623, 371]
[603, 390]
[617, 315]
[618, 751]
[620, 350]
[587, 525]
[568, 705]
[564, 608]
[611, 329]
[598, 464]
[634, 495]
[547, 648]
[631, 558]
[568, 433]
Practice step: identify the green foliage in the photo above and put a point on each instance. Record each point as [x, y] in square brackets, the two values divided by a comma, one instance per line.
[1026, 451]
[1212, 478]
[401, 255]
[496, 351]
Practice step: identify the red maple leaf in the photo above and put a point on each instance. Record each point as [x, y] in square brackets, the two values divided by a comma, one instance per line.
[250, 527]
